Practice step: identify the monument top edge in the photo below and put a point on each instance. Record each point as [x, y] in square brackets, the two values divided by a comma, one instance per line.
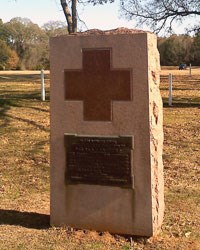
[117, 31]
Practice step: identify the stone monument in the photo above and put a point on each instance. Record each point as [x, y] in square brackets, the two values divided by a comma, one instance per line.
[106, 132]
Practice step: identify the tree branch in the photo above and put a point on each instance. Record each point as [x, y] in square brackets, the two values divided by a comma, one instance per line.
[68, 15]
[74, 16]
[159, 14]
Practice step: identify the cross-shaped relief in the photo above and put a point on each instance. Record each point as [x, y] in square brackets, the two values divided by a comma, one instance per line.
[97, 84]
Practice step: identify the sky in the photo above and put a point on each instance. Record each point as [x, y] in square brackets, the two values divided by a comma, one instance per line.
[40, 11]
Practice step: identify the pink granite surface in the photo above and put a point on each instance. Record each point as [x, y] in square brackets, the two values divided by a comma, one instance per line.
[135, 211]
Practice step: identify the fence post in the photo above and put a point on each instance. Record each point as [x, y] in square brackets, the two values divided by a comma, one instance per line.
[170, 89]
[42, 86]
[190, 69]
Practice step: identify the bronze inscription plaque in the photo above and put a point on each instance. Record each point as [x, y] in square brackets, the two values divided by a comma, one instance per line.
[99, 160]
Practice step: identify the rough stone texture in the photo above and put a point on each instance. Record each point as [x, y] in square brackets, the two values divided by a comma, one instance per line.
[137, 210]
[156, 134]
[117, 31]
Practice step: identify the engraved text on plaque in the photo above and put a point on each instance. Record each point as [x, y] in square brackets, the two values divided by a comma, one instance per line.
[99, 160]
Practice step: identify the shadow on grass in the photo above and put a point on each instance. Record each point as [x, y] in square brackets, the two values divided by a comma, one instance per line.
[21, 77]
[33, 123]
[182, 103]
[15, 95]
[5, 106]
[16, 99]
[24, 219]
[183, 89]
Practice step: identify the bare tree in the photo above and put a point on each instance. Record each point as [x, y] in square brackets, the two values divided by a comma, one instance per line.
[72, 15]
[160, 14]
[68, 15]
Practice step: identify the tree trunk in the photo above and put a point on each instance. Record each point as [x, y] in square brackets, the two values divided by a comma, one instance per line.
[74, 16]
[68, 15]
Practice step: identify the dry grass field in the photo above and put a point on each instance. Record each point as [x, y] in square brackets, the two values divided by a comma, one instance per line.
[24, 171]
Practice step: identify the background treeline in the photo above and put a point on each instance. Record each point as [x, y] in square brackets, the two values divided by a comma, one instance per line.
[25, 45]
[178, 49]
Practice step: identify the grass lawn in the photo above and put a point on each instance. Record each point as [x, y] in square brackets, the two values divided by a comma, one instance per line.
[24, 171]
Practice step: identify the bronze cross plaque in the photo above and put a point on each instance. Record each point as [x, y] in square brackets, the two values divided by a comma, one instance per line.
[98, 84]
